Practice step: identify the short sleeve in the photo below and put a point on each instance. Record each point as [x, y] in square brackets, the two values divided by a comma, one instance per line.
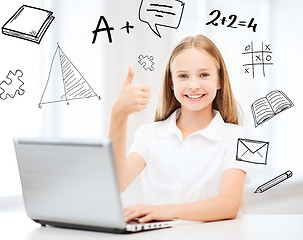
[230, 159]
[141, 140]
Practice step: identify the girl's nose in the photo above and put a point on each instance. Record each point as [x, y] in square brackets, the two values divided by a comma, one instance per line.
[193, 88]
[194, 84]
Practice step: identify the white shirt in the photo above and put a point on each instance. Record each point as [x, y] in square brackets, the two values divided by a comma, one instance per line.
[180, 171]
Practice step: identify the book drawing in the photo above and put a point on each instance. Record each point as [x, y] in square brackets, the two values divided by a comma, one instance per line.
[267, 107]
[28, 23]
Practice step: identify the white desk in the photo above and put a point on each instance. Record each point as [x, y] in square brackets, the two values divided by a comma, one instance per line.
[270, 227]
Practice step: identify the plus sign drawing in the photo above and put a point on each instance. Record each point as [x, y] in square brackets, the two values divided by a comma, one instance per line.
[257, 59]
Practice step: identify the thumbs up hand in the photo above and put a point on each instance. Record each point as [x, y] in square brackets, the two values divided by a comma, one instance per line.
[132, 98]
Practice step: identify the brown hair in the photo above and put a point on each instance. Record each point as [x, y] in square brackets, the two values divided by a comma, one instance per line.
[224, 101]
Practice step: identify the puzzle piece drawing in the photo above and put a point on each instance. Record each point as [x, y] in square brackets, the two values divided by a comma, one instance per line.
[12, 85]
[146, 62]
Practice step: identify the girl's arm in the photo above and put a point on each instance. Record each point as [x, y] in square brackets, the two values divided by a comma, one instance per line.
[223, 206]
[132, 98]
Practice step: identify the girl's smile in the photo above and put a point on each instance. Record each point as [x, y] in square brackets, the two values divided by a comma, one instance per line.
[194, 97]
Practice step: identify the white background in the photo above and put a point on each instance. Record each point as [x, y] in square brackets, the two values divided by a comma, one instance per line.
[104, 66]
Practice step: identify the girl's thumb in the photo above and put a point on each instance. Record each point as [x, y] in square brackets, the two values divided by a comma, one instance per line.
[130, 75]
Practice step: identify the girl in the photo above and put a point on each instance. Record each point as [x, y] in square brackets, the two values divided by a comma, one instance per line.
[189, 151]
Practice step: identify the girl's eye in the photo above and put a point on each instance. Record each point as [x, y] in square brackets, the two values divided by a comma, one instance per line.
[204, 75]
[182, 76]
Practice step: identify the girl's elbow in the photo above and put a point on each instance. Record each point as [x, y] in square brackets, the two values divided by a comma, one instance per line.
[233, 214]
[232, 210]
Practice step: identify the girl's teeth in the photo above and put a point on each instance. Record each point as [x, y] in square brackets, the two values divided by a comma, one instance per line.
[195, 96]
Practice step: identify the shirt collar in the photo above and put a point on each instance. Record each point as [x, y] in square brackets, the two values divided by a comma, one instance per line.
[213, 131]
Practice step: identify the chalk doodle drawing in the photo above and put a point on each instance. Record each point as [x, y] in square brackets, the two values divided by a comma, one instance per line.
[267, 107]
[127, 27]
[166, 13]
[257, 58]
[98, 29]
[252, 151]
[232, 23]
[273, 182]
[28, 23]
[146, 62]
[65, 82]
[12, 85]
[106, 28]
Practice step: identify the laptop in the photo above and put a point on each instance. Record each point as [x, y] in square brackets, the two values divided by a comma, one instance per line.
[72, 183]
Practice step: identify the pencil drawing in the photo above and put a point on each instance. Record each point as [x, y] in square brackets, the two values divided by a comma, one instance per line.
[273, 182]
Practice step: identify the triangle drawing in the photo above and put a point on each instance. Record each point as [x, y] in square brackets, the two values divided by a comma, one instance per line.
[65, 82]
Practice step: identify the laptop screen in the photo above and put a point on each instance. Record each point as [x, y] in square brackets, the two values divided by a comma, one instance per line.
[70, 181]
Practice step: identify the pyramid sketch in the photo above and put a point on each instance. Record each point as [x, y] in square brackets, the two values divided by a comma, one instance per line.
[65, 82]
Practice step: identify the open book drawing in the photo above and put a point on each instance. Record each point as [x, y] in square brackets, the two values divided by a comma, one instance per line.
[28, 23]
[267, 107]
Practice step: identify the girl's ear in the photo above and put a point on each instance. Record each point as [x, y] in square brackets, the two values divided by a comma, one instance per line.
[218, 86]
[219, 80]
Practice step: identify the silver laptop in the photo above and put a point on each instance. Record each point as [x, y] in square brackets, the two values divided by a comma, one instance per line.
[72, 183]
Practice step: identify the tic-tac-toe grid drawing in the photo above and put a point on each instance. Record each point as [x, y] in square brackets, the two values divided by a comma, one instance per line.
[258, 58]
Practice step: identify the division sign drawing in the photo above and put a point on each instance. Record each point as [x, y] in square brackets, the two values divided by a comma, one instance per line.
[12, 85]
[65, 82]
[257, 58]
[28, 23]
[166, 13]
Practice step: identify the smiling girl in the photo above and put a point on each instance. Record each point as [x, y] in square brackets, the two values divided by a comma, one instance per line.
[189, 151]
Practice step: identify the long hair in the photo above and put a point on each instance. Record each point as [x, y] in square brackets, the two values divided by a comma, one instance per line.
[224, 101]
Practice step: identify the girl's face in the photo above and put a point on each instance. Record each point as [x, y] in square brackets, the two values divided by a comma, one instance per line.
[195, 79]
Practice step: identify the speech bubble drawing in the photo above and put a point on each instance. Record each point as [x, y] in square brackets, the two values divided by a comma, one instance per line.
[166, 13]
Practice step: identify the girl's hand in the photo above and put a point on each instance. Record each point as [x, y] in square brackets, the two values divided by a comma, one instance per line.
[147, 213]
[132, 98]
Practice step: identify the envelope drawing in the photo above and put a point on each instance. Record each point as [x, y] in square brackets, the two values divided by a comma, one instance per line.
[252, 151]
